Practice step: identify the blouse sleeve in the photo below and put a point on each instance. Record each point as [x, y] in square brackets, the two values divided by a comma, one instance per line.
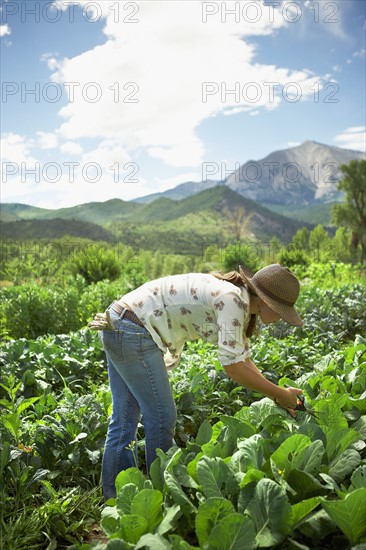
[232, 319]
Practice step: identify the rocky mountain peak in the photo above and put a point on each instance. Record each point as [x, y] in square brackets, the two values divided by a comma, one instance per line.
[298, 175]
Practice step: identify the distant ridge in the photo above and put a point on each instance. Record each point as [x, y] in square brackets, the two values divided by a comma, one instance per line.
[93, 212]
[304, 174]
[216, 215]
[194, 212]
[53, 229]
[181, 191]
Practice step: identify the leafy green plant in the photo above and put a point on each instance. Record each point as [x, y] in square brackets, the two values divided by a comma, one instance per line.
[259, 475]
[12, 420]
[241, 253]
[32, 310]
[244, 471]
[95, 264]
[291, 257]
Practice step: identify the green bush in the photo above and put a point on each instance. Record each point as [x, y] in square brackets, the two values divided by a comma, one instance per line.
[289, 258]
[330, 274]
[31, 310]
[241, 253]
[97, 297]
[95, 264]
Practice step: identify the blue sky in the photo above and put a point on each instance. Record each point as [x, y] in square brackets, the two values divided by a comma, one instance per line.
[131, 98]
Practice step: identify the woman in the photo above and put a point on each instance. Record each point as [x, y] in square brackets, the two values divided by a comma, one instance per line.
[147, 330]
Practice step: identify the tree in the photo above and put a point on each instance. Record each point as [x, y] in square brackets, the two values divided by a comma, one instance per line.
[320, 244]
[238, 221]
[95, 264]
[242, 253]
[300, 241]
[275, 247]
[294, 256]
[352, 213]
[342, 244]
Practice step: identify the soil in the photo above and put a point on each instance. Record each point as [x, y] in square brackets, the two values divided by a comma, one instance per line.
[95, 533]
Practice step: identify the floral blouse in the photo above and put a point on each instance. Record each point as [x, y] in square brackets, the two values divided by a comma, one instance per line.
[178, 308]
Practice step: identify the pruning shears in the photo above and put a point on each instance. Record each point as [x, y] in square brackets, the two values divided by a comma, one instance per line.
[300, 406]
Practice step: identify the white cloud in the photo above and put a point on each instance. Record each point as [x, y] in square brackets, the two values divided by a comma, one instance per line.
[71, 148]
[189, 153]
[356, 129]
[144, 86]
[360, 53]
[17, 168]
[235, 110]
[107, 154]
[322, 17]
[337, 68]
[4, 30]
[70, 192]
[16, 148]
[332, 16]
[47, 140]
[292, 144]
[51, 59]
[98, 175]
[352, 138]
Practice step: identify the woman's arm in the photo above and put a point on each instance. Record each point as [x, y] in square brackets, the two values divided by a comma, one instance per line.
[247, 374]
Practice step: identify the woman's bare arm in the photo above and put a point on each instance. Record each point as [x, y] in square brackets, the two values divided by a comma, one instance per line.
[247, 374]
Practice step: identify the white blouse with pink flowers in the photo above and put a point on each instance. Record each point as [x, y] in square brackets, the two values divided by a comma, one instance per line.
[178, 308]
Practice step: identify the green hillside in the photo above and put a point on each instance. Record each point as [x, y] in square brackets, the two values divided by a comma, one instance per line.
[53, 229]
[94, 212]
[317, 213]
[189, 225]
[15, 211]
[186, 226]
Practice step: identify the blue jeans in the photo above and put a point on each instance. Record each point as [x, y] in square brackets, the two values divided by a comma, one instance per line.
[139, 385]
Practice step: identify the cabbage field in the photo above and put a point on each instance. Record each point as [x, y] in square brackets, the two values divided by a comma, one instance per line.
[244, 473]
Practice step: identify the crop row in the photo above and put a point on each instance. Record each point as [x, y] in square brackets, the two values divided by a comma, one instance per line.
[55, 405]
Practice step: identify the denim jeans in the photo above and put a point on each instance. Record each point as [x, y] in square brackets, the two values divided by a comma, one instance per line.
[139, 385]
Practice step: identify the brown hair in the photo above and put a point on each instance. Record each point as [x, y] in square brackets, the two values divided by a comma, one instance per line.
[234, 278]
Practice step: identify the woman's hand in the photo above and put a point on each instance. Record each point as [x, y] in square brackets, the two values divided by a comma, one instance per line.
[247, 374]
[288, 399]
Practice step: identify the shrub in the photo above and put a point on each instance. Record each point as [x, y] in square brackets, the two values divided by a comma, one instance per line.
[241, 253]
[289, 258]
[31, 310]
[97, 297]
[95, 264]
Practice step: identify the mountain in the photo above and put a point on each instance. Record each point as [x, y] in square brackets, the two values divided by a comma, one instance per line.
[187, 226]
[303, 175]
[11, 212]
[33, 229]
[291, 188]
[181, 191]
[214, 217]
[300, 175]
[316, 212]
[93, 212]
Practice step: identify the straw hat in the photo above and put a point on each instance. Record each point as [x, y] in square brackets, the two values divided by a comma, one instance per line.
[278, 287]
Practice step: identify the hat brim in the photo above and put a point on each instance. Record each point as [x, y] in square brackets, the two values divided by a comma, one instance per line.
[287, 313]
